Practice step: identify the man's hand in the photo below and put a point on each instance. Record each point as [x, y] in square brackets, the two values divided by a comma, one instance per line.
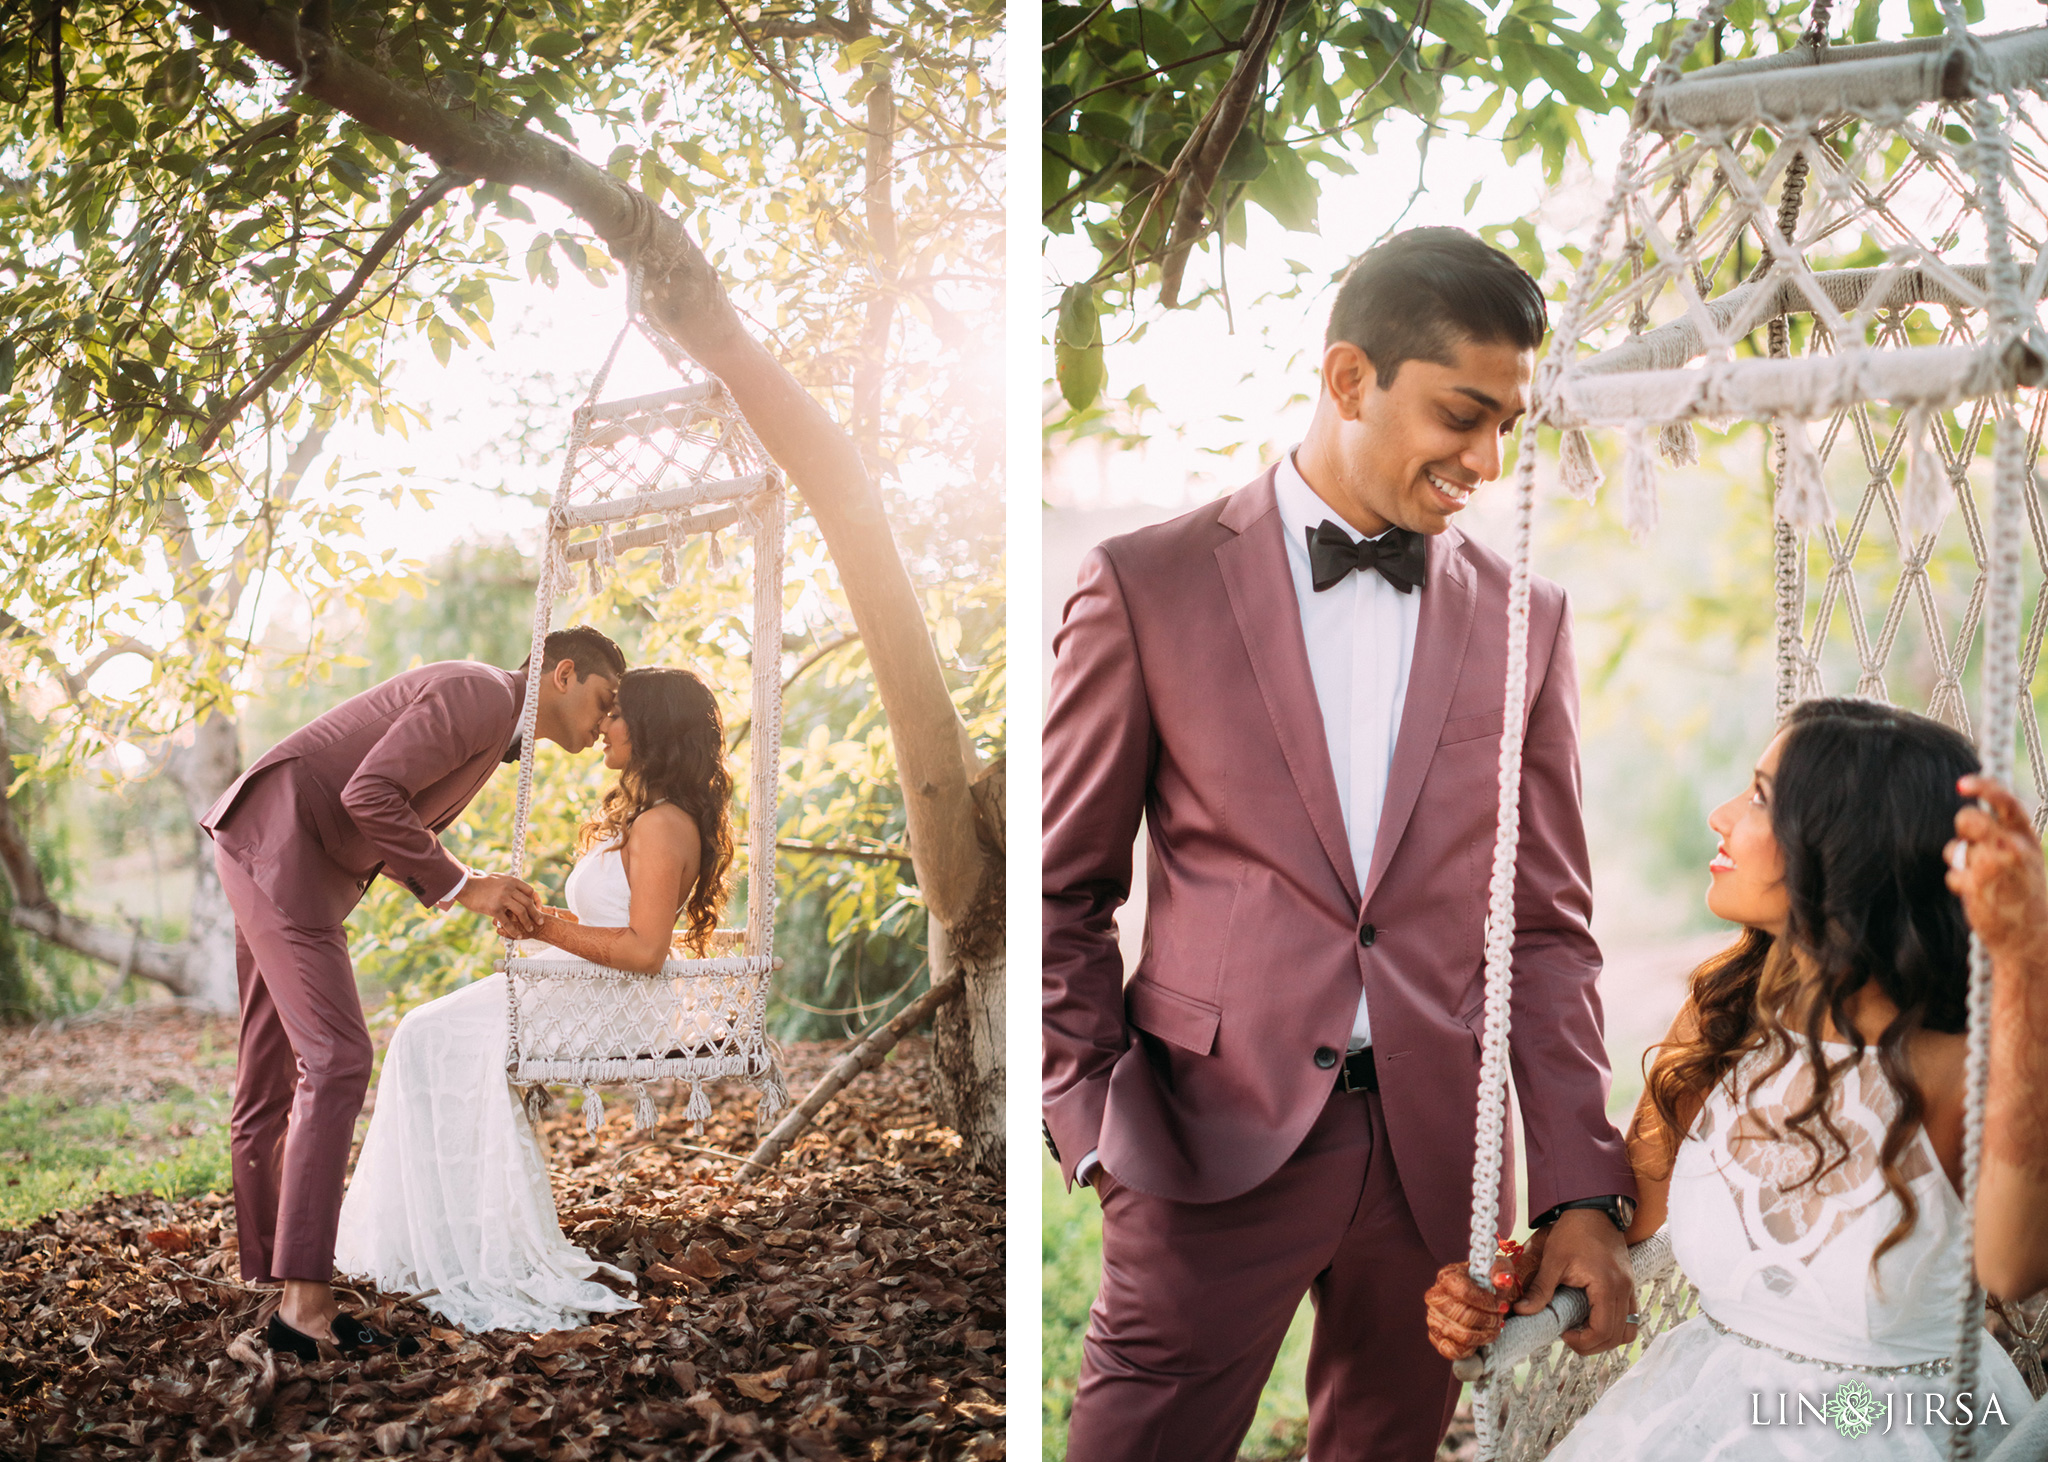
[504, 900]
[1586, 1250]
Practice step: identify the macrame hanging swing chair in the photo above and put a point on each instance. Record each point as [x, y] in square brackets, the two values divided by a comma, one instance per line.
[677, 462]
[1919, 155]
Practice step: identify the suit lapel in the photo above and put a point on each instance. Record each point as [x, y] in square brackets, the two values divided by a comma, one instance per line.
[1261, 588]
[1443, 625]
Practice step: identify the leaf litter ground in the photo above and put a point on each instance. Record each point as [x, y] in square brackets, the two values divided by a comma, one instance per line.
[849, 1304]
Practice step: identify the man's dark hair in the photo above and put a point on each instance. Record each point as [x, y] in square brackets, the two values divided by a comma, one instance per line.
[1424, 292]
[592, 651]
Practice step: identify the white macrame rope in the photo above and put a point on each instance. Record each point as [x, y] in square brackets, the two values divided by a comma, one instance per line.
[1989, 161]
[1491, 1103]
[572, 1020]
[1687, 197]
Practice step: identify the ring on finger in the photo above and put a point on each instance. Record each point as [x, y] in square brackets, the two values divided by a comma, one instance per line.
[1958, 854]
[1634, 1318]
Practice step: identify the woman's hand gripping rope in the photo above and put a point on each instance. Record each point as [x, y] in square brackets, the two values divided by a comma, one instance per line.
[1463, 1315]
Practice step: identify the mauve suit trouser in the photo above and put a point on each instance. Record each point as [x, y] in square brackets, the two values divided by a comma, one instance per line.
[302, 1069]
[1196, 1298]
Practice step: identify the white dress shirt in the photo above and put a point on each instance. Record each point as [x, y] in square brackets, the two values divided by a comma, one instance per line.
[1361, 643]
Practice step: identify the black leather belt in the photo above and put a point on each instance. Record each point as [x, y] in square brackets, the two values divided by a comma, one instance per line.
[1357, 1072]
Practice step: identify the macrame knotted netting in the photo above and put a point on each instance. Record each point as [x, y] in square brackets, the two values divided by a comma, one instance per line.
[1845, 243]
[648, 472]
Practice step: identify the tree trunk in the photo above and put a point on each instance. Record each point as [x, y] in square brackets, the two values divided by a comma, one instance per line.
[967, 1051]
[958, 872]
[204, 770]
[968, 1033]
[35, 911]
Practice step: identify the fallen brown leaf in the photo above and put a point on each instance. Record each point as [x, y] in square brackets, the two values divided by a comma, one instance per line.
[852, 1298]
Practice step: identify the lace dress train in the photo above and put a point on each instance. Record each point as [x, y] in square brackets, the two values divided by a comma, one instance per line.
[450, 1199]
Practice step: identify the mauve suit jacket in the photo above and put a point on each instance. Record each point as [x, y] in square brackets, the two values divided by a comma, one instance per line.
[366, 788]
[1181, 691]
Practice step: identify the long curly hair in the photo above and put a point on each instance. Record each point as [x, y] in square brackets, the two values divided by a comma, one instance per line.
[678, 756]
[1863, 801]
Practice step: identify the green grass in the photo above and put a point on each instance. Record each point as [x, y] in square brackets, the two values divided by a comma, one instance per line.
[54, 1155]
[1072, 1256]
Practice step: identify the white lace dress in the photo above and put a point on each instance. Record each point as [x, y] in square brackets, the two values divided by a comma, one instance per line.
[1791, 1309]
[450, 1198]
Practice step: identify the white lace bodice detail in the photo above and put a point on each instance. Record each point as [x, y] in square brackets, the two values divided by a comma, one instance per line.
[596, 890]
[1788, 1262]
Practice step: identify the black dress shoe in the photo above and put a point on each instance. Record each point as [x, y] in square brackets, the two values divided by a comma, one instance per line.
[283, 1338]
[351, 1336]
[356, 1335]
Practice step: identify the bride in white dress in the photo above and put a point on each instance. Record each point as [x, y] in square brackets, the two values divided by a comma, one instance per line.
[450, 1199]
[1802, 1128]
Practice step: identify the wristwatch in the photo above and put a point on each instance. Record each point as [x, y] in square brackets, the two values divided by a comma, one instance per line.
[1621, 1210]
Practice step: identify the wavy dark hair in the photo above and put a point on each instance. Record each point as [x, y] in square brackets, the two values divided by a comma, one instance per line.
[678, 756]
[1862, 804]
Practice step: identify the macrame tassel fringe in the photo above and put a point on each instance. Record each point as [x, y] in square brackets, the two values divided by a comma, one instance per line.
[605, 559]
[536, 1100]
[643, 1106]
[1579, 467]
[1679, 444]
[1927, 487]
[717, 553]
[774, 1100]
[698, 1112]
[671, 575]
[593, 1110]
[1639, 484]
[1802, 493]
[558, 558]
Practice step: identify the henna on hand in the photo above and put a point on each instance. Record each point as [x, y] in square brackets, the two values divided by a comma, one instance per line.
[1462, 1314]
[599, 945]
[2004, 892]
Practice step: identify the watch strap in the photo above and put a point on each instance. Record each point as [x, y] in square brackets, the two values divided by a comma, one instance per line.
[1619, 1210]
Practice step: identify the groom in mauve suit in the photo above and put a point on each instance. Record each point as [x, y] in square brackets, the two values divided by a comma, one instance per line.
[363, 789]
[1299, 688]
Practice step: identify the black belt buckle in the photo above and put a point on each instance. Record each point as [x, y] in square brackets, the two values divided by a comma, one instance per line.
[1357, 1073]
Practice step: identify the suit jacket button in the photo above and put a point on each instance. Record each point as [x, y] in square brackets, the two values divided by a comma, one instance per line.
[1367, 934]
[1326, 1057]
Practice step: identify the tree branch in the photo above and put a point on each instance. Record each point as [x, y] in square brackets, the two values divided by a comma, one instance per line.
[1211, 144]
[35, 911]
[683, 297]
[878, 853]
[865, 1055]
[436, 189]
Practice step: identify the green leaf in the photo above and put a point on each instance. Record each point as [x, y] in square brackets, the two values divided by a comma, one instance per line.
[1392, 36]
[1151, 32]
[1462, 24]
[6, 366]
[1081, 373]
[860, 51]
[1079, 325]
[1246, 159]
[554, 45]
[1287, 191]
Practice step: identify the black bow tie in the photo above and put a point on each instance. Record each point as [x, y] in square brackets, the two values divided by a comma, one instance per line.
[512, 751]
[1395, 555]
